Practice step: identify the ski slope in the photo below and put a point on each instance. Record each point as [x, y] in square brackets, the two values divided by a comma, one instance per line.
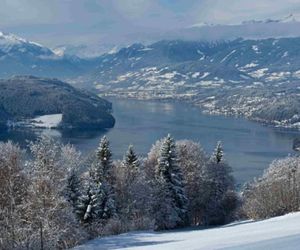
[272, 234]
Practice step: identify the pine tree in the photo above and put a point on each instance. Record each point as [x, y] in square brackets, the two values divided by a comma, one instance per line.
[88, 205]
[131, 164]
[165, 213]
[103, 167]
[106, 204]
[73, 188]
[102, 178]
[218, 153]
[127, 185]
[169, 178]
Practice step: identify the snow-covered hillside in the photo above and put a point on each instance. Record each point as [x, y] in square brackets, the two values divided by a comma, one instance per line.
[276, 233]
[251, 78]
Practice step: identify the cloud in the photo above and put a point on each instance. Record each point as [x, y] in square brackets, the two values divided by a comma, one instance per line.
[236, 11]
[73, 21]
[18, 12]
[134, 8]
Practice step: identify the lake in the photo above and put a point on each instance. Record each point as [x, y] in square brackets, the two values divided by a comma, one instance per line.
[249, 147]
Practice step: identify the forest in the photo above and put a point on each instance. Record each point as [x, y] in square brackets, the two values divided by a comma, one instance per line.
[53, 197]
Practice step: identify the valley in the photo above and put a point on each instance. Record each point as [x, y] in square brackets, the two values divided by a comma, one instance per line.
[254, 79]
[257, 79]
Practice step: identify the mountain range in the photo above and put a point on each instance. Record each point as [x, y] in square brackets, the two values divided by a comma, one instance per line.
[254, 78]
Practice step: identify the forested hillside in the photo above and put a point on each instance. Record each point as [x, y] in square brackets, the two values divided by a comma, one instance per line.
[24, 98]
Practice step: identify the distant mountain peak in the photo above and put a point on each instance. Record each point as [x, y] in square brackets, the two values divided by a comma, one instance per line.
[13, 39]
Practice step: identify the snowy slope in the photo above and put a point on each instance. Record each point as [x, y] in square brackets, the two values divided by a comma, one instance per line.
[276, 233]
[15, 45]
[47, 121]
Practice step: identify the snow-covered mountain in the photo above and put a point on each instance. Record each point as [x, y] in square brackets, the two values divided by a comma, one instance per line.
[242, 77]
[19, 56]
[12, 45]
[254, 78]
[179, 64]
[276, 234]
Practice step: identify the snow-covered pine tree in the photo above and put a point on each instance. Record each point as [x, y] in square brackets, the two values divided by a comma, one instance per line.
[131, 164]
[127, 185]
[73, 188]
[218, 153]
[88, 204]
[107, 206]
[102, 178]
[169, 179]
[165, 213]
[103, 168]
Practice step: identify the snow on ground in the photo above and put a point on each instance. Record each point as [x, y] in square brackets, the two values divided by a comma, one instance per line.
[277, 233]
[259, 73]
[47, 121]
[226, 57]
[255, 48]
[275, 76]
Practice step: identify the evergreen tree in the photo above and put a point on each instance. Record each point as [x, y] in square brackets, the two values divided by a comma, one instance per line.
[102, 179]
[131, 164]
[127, 185]
[73, 188]
[107, 208]
[88, 205]
[218, 153]
[165, 212]
[170, 180]
[103, 167]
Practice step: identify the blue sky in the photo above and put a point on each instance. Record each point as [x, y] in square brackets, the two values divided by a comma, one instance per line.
[54, 22]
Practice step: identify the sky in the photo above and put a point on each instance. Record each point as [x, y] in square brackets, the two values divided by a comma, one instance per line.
[56, 22]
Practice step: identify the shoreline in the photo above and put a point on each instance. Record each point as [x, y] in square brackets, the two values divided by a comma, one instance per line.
[272, 124]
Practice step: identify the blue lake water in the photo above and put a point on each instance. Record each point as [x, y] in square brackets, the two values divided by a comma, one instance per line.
[249, 146]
